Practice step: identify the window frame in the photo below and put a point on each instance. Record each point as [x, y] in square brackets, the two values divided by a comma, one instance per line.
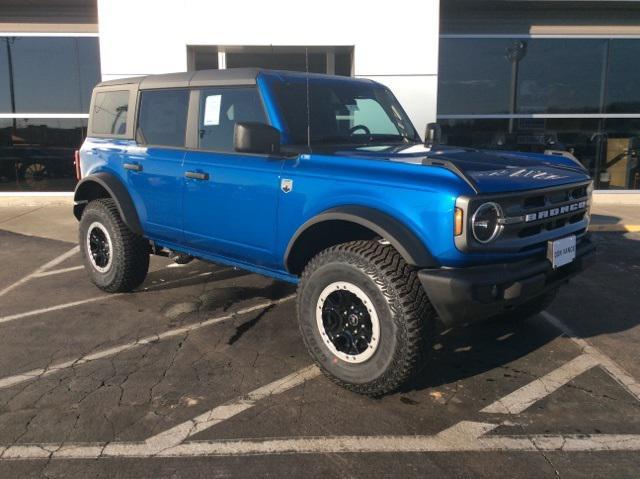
[131, 111]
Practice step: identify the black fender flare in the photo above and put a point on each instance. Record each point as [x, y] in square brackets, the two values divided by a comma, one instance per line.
[116, 190]
[412, 249]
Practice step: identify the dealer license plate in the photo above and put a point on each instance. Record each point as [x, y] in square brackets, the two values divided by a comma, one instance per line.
[562, 251]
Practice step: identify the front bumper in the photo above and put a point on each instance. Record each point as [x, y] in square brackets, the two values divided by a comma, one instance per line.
[464, 295]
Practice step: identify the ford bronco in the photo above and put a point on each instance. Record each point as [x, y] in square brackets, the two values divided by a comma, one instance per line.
[323, 181]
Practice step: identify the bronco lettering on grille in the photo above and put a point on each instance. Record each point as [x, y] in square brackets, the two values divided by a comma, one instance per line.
[550, 213]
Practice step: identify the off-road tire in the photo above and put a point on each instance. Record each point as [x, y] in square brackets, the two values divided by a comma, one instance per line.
[129, 252]
[402, 307]
[528, 309]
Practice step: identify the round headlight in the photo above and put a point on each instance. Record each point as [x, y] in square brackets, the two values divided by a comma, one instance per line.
[485, 223]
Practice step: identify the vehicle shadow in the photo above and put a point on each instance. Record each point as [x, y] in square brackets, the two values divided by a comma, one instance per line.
[596, 302]
[466, 351]
[166, 279]
[602, 291]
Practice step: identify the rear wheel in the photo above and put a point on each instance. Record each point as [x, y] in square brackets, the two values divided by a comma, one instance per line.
[116, 258]
[363, 313]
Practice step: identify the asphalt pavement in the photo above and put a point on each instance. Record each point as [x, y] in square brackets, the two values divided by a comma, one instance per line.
[202, 373]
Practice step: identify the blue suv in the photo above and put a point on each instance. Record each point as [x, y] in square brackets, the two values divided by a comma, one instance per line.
[323, 181]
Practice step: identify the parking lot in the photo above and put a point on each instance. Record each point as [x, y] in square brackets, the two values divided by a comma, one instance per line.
[202, 373]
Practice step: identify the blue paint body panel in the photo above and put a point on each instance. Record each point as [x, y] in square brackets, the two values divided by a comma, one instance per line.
[242, 217]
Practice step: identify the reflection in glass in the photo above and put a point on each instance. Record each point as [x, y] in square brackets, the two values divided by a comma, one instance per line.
[560, 76]
[50, 75]
[110, 110]
[474, 76]
[576, 136]
[38, 153]
[623, 77]
[162, 118]
[506, 76]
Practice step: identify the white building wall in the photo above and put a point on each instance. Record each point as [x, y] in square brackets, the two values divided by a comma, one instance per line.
[394, 43]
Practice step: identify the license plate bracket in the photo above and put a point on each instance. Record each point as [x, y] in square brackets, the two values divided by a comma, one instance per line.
[562, 251]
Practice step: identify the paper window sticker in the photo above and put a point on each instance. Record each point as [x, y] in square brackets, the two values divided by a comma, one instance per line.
[212, 110]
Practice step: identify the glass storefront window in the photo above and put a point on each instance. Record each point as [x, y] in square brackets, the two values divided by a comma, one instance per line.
[609, 149]
[620, 167]
[548, 78]
[5, 96]
[577, 136]
[53, 75]
[474, 76]
[37, 154]
[560, 76]
[623, 77]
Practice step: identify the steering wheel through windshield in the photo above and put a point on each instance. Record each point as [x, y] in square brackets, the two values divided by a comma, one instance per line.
[355, 128]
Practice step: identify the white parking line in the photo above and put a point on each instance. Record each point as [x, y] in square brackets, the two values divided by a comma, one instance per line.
[616, 371]
[58, 271]
[152, 287]
[13, 317]
[105, 353]
[44, 267]
[178, 434]
[521, 399]
[441, 442]
[463, 436]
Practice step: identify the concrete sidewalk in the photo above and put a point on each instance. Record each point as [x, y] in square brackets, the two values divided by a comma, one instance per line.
[53, 222]
[615, 218]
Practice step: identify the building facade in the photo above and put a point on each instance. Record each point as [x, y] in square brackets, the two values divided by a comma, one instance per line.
[516, 75]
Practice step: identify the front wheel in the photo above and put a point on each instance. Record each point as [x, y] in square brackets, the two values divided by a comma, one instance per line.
[116, 258]
[363, 314]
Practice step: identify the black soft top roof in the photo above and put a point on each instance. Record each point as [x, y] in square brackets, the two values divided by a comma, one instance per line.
[231, 76]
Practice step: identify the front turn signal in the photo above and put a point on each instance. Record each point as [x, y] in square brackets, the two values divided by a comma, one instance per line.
[457, 223]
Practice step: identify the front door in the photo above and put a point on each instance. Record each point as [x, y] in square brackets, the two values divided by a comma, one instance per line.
[230, 199]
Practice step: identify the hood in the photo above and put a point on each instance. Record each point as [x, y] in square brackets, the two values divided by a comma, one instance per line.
[486, 171]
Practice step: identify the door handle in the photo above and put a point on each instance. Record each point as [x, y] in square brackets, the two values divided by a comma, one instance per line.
[197, 175]
[132, 166]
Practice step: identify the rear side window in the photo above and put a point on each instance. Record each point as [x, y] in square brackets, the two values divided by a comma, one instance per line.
[220, 109]
[109, 116]
[162, 118]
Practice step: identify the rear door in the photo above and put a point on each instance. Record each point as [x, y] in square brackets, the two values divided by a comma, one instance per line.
[230, 199]
[154, 167]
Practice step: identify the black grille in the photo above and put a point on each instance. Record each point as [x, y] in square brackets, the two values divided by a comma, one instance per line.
[533, 217]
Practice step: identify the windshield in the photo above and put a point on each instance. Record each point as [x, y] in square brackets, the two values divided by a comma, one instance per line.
[342, 112]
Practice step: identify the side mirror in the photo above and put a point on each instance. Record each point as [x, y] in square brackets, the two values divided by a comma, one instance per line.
[432, 135]
[252, 137]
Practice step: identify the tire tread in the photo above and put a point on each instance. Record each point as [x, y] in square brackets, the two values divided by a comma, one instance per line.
[410, 307]
[130, 257]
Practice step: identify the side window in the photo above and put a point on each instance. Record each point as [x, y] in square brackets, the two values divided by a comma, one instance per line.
[162, 117]
[109, 116]
[220, 109]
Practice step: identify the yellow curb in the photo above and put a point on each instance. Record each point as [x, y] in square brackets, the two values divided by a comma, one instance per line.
[615, 228]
